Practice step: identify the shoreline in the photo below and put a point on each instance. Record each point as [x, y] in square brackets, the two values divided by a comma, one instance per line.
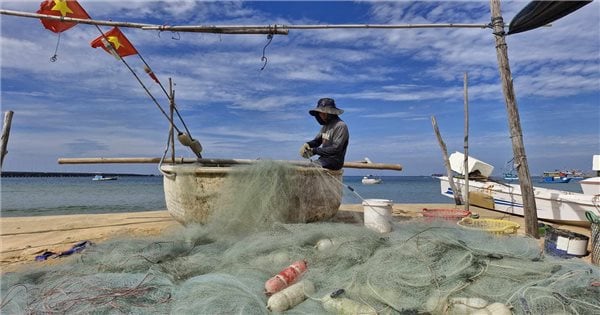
[22, 238]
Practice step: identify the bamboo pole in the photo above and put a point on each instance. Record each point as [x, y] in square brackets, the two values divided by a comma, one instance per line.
[286, 27]
[181, 160]
[278, 29]
[5, 134]
[529, 206]
[225, 29]
[455, 190]
[466, 140]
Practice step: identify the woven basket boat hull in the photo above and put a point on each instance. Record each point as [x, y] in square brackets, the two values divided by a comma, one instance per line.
[192, 193]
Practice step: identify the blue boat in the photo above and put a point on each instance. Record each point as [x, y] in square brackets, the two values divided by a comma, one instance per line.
[555, 177]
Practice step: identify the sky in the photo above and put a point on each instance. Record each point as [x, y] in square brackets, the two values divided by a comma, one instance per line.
[389, 83]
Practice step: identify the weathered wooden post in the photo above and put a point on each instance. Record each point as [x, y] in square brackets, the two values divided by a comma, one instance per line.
[5, 133]
[455, 190]
[466, 141]
[172, 123]
[529, 207]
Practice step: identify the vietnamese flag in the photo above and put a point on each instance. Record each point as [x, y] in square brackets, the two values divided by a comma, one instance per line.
[117, 40]
[66, 8]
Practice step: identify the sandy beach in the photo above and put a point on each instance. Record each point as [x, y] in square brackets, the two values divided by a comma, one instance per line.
[22, 238]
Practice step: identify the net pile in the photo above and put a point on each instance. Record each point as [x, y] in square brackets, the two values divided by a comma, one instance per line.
[221, 268]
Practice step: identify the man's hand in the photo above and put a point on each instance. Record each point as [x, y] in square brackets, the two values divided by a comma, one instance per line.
[308, 153]
[303, 149]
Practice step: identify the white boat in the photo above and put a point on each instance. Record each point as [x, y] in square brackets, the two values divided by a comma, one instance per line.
[102, 177]
[551, 204]
[370, 180]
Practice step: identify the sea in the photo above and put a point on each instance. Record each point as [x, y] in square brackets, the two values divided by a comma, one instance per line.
[37, 196]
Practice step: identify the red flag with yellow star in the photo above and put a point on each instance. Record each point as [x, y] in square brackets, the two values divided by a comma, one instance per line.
[115, 38]
[65, 8]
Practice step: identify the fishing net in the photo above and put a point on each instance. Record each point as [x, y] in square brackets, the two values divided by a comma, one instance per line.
[221, 268]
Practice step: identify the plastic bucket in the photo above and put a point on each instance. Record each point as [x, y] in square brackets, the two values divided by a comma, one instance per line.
[565, 244]
[378, 214]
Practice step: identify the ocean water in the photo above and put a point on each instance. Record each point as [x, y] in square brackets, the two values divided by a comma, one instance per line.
[35, 196]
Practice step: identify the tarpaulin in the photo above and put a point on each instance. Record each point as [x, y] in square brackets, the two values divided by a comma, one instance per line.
[540, 13]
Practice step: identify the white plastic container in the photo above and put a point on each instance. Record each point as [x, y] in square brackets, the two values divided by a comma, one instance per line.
[457, 161]
[378, 214]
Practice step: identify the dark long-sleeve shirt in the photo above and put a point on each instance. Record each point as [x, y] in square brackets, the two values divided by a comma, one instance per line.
[331, 143]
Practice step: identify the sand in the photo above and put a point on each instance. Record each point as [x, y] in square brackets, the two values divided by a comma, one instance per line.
[22, 238]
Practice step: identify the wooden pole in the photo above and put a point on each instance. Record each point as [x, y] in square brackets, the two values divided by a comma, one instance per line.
[172, 124]
[529, 206]
[216, 29]
[181, 160]
[5, 134]
[455, 190]
[279, 29]
[466, 141]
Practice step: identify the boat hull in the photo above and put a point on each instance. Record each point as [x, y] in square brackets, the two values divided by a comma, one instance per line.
[371, 181]
[192, 192]
[551, 204]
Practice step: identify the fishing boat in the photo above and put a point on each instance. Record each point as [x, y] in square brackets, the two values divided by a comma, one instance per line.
[555, 177]
[371, 179]
[99, 177]
[192, 191]
[510, 176]
[552, 204]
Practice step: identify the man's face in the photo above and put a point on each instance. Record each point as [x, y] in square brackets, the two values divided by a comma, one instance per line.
[323, 116]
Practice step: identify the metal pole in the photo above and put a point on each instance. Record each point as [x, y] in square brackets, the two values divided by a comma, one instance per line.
[529, 207]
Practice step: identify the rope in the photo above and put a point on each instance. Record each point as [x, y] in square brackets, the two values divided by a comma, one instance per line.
[264, 58]
[54, 57]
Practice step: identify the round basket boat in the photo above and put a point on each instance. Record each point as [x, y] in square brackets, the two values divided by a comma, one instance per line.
[193, 190]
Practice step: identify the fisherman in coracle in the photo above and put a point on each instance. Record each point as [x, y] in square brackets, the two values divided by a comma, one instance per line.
[332, 140]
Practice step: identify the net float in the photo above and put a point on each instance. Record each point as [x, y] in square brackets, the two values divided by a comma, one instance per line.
[290, 296]
[286, 277]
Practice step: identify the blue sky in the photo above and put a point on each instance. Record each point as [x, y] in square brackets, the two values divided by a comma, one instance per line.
[389, 82]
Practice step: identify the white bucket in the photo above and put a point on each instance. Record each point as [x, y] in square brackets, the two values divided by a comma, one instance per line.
[378, 214]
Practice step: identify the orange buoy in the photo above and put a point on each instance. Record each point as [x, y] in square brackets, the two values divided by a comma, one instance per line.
[286, 277]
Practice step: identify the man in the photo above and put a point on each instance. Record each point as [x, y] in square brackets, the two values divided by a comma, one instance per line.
[332, 140]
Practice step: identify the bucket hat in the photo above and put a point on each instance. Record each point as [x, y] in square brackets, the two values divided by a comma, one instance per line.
[326, 105]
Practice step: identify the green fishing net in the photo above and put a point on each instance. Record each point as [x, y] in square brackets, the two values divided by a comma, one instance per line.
[420, 267]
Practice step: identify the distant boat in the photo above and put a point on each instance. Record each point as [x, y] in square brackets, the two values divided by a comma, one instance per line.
[370, 180]
[436, 175]
[102, 177]
[555, 177]
[509, 171]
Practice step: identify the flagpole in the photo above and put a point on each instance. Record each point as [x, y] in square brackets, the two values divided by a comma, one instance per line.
[116, 54]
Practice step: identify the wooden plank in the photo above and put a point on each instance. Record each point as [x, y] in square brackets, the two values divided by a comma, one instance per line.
[224, 162]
